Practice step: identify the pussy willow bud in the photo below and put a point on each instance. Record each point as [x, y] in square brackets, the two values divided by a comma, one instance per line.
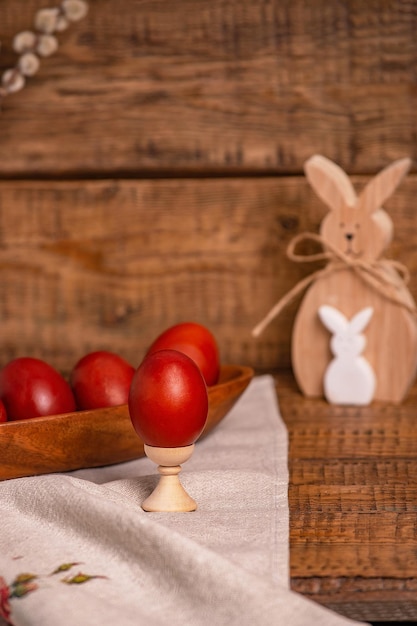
[13, 80]
[46, 19]
[47, 45]
[74, 9]
[24, 41]
[28, 64]
[61, 24]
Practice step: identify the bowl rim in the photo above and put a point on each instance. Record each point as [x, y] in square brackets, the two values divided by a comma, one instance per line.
[245, 373]
[86, 439]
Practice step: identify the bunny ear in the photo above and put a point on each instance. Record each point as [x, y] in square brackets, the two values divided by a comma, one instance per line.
[329, 182]
[333, 319]
[360, 320]
[383, 185]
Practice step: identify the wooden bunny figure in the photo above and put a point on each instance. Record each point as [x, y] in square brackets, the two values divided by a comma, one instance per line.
[354, 234]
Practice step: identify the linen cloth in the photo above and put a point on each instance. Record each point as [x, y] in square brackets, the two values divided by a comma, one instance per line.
[80, 550]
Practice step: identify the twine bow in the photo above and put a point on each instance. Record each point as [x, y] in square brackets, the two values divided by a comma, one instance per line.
[377, 274]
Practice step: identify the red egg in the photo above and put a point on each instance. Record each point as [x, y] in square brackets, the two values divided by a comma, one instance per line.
[3, 412]
[197, 342]
[168, 400]
[31, 387]
[101, 379]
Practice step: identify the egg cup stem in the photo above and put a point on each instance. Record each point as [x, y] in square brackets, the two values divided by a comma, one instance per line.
[169, 495]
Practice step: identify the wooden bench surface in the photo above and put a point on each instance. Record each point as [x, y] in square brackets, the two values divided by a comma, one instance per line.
[353, 504]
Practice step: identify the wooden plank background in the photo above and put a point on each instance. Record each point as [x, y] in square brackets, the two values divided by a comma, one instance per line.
[111, 263]
[219, 86]
[152, 170]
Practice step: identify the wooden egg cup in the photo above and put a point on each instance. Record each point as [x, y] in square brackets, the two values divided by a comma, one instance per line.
[169, 495]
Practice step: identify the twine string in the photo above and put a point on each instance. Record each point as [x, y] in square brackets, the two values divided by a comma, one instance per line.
[378, 274]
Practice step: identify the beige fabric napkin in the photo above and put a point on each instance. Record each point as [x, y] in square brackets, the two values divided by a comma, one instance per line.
[80, 550]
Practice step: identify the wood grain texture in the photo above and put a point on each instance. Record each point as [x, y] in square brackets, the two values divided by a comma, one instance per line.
[110, 264]
[353, 504]
[214, 86]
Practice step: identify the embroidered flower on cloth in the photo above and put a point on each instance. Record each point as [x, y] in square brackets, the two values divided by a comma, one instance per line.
[4, 601]
[25, 583]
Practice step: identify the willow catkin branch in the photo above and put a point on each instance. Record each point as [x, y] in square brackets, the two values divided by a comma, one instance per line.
[30, 45]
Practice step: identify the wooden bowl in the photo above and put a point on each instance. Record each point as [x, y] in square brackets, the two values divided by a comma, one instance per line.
[59, 443]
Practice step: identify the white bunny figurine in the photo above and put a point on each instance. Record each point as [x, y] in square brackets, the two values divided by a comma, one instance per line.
[349, 378]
